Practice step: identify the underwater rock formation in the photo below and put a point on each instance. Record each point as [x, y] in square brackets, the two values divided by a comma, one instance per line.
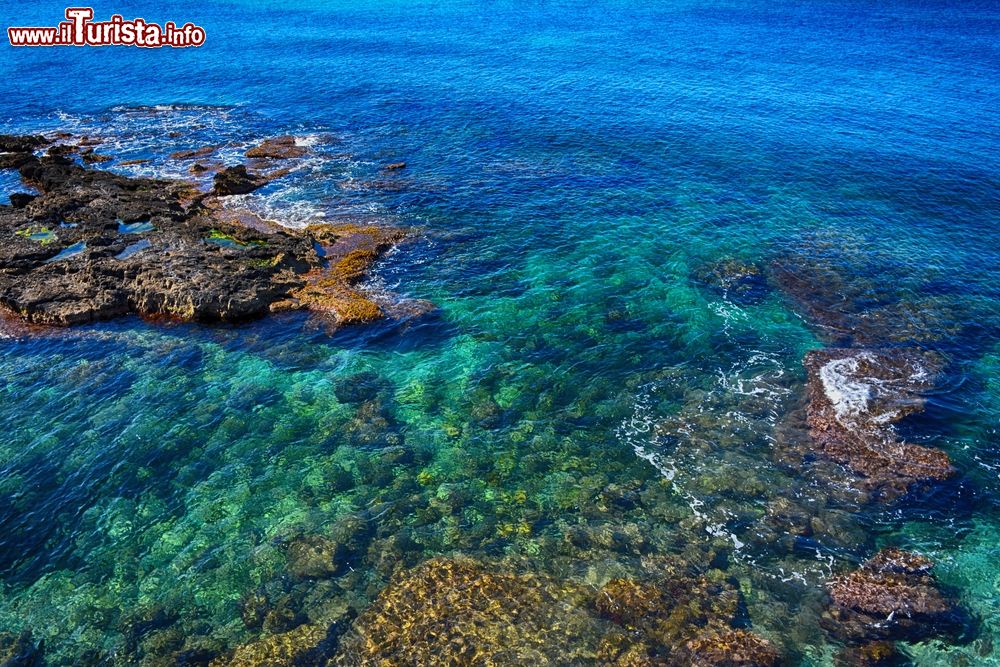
[892, 596]
[851, 299]
[456, 611]
[678, 621]
[855, 397]
[313, 557]
[358, 388]
[95, 245]
[308, 645]
[729, 648]
[19, 650]
[742, 282]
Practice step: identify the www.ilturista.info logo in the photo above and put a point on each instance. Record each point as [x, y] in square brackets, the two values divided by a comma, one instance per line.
[79, 29]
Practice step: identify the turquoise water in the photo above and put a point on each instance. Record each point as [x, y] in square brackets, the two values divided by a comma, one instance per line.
[572, 169]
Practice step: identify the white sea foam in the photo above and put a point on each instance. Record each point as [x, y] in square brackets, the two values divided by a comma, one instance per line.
[846, 392]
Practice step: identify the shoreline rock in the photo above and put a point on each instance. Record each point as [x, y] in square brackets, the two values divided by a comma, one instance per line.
[94, 245]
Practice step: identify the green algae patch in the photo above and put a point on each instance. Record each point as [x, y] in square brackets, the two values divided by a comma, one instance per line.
[42, 235]
[220, 238]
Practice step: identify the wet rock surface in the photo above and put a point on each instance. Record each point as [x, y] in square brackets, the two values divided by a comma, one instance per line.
[892, 596]
[855, 397]
[278, 148]
[236, 181]
[95, 245]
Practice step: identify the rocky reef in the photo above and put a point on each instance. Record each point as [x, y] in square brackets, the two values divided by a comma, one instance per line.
[743, 282]
[95, 245]
[893, 596]
[886, 334]
[854, 399]
[457, 611]
[19, 650]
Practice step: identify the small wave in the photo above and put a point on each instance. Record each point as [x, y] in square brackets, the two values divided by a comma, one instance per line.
[162, 108]
[279, 207]
[848, 395]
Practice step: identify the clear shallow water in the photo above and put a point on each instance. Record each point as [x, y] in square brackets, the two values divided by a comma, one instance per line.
[571, 170]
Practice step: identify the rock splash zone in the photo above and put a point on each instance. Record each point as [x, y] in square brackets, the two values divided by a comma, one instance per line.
[94, 245]
[855, 397]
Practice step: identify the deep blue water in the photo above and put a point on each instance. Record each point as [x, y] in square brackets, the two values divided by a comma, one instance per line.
[571, 169]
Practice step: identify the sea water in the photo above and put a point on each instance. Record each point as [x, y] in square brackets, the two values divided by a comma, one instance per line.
[572, 168]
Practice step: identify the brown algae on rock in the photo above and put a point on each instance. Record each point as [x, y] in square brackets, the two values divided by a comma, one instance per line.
[855, 398]
[451, 611]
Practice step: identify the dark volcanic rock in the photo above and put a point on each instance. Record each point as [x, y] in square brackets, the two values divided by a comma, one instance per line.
[893, 596]
[21, 199]
[855, 398]
[69, 257]
[10, 143]
[236, 181]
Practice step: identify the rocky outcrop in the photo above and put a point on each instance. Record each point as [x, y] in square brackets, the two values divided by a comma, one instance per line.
[854, 399]
[236, 181]
[94, 245]
[892, 596]
[278, 148]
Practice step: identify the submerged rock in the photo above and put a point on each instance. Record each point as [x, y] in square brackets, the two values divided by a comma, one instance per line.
[20, 650]
[870, 654]
[729, 648]
[854, 399]
[457, 611]
[309, 645]
[199, 263]
[670, 612]
[892, 596]
[359, 387]
[742, 282]
[854, 299]
[314, 557]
